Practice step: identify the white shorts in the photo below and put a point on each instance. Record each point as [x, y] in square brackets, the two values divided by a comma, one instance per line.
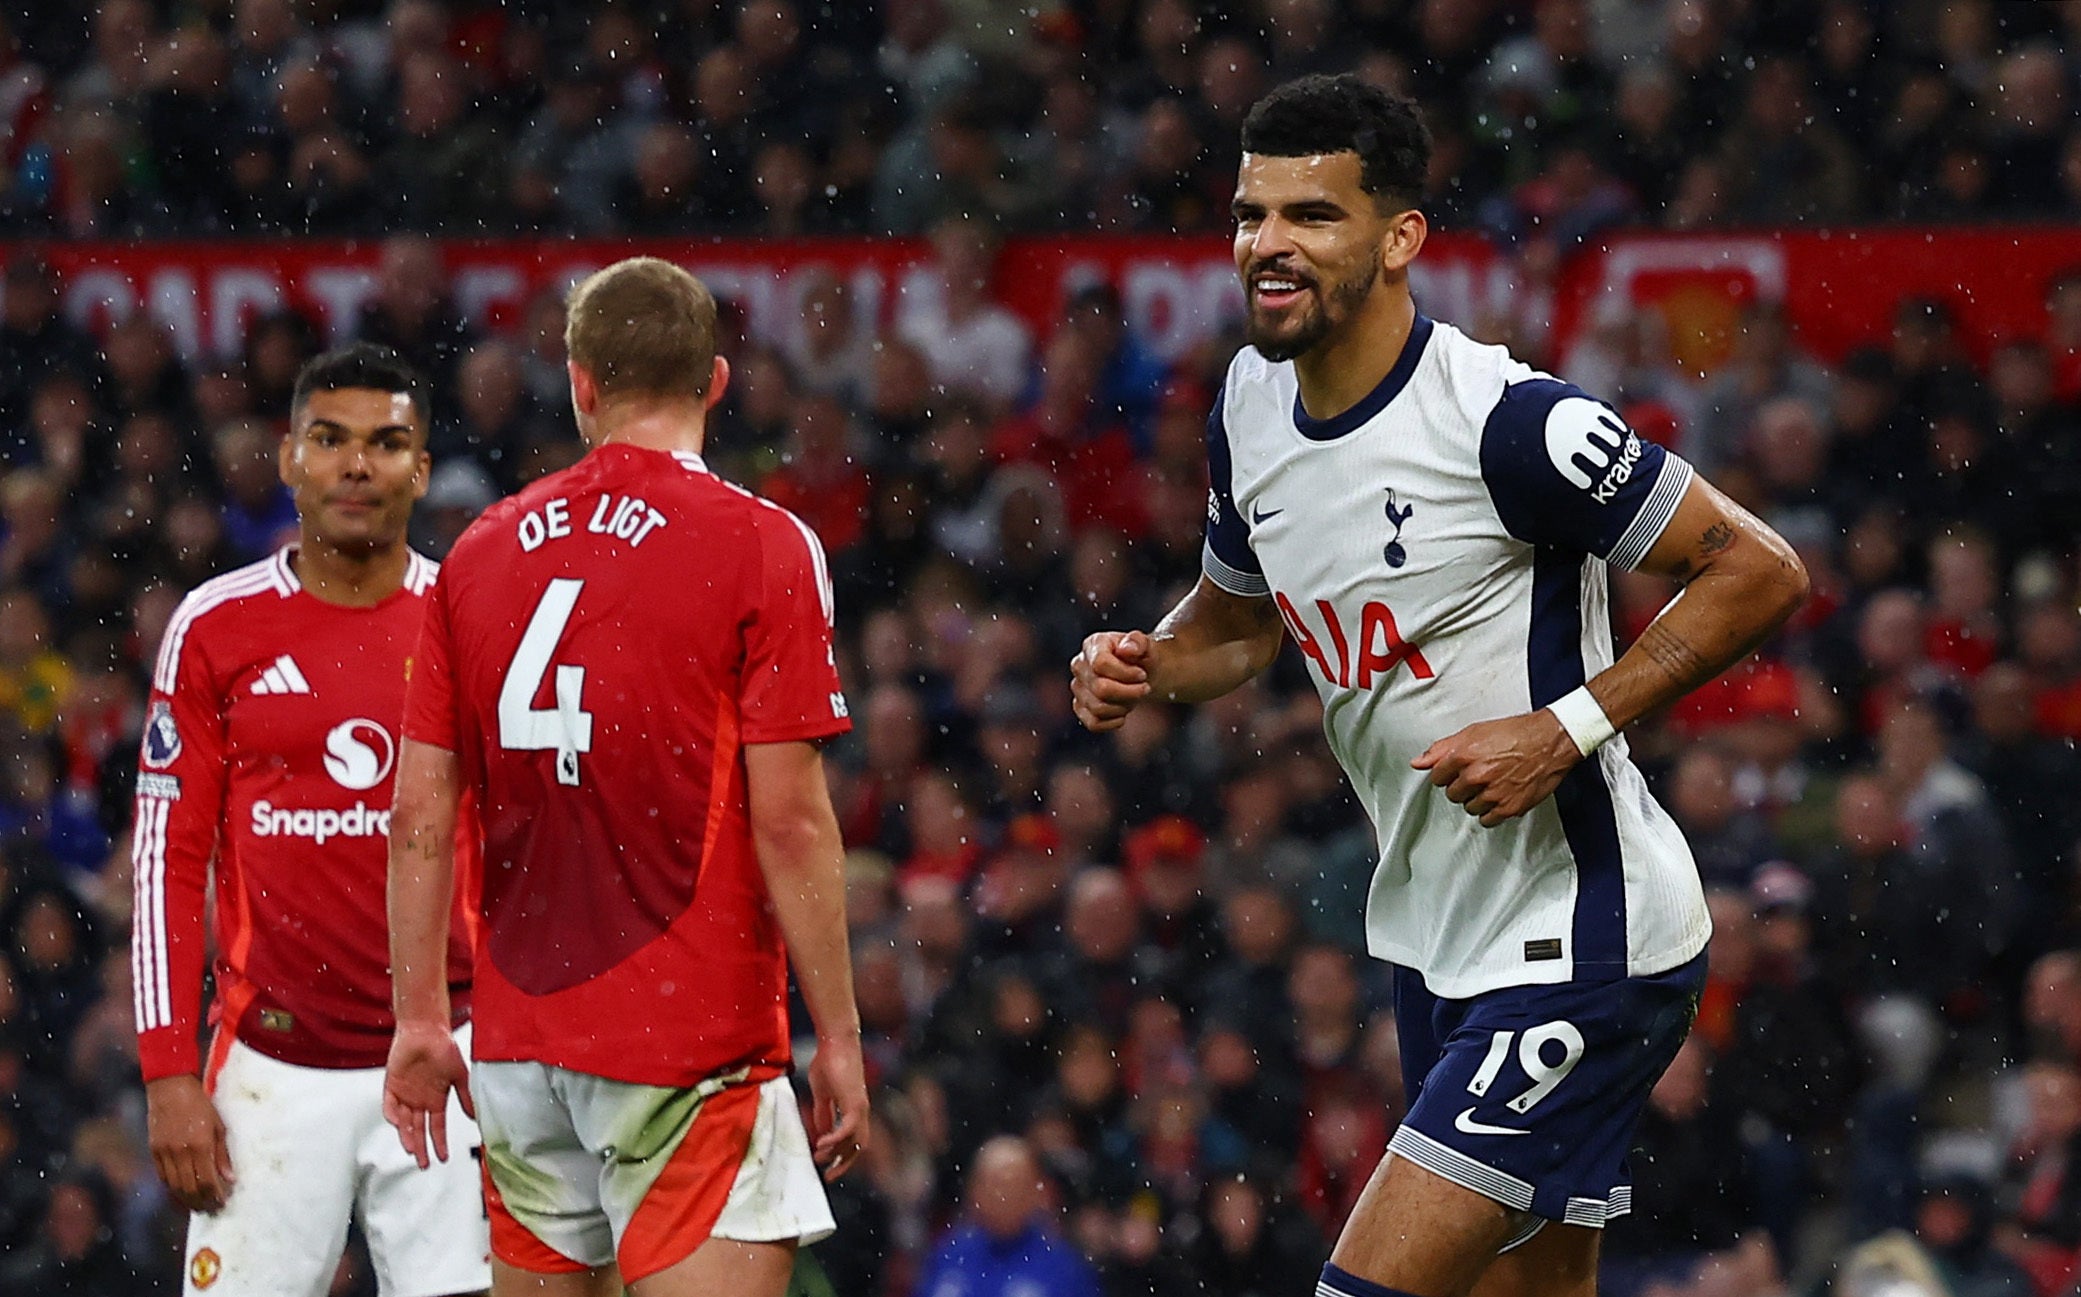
[585, 1172]
[309, 1150]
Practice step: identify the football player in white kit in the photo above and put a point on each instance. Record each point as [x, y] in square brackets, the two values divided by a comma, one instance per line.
[1432, 523]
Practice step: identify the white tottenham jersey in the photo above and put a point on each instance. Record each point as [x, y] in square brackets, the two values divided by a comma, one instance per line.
[1438, 553]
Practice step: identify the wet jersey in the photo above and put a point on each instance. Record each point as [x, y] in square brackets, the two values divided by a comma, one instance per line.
[1439, 553]
[269, 748]
[600, 649]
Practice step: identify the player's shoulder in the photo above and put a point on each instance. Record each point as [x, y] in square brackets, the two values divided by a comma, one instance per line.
[1249, 372]
[1255, 393]
[1472, 373]
[776, 525]
[1533, 407]
[268, 580]
[218, 607]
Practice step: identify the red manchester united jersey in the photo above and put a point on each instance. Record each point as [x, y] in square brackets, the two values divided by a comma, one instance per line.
[269, 749]
[598, 651]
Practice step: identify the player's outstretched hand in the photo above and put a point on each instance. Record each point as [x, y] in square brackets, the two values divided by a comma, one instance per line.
[188, 1146]
[1108, 677]
[838, 1104]
[425, 1064]
[1498, 770]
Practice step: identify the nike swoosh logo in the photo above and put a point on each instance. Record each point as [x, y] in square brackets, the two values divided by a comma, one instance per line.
[1466, 1125]
[1257, 516]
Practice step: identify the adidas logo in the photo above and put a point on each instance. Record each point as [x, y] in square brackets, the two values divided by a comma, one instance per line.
[282, 678]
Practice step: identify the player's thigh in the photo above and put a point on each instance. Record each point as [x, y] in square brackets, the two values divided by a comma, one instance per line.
[1559, 1261]
[290, 1132]
[1535, 1095]
[682, 1166]
[1417, 1232]
[512, 1281]
[724, 1265]
[541, 1184]
[428, 1231]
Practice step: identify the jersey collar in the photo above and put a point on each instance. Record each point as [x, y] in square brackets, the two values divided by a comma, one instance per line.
[284, 572]
[420, 571]
[1372, 402]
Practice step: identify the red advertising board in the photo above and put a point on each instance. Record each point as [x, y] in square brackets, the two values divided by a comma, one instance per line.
[1176, 291]
[1839, 287]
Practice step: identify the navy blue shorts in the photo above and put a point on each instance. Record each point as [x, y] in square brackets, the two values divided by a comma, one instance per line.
[1529, 1095]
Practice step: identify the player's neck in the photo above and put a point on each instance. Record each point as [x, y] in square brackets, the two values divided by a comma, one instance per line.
[1338, 372]
[349, 578]
[651, 425]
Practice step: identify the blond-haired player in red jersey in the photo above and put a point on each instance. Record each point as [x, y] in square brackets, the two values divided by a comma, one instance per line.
[268, 759]
[629, 665]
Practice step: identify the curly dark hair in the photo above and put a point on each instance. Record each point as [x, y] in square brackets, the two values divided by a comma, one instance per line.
[361, 364]
[1343, 114]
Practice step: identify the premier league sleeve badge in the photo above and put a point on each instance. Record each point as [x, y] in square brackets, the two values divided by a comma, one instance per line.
[162, 743]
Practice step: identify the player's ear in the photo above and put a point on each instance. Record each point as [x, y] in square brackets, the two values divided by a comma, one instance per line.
[1404, 239]
[285, 452]
[585, 392]
[422, 474]
[718, 383]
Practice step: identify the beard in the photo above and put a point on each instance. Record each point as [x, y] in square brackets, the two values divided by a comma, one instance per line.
[1313, 323]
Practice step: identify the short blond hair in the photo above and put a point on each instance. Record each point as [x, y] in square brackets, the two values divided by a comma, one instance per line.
[644, 328]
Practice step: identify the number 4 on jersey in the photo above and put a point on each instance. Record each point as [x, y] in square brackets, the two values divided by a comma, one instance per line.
[565, 728]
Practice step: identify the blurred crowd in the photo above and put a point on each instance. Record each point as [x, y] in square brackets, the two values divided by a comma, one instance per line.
[1554, 118]
[1123, 1033]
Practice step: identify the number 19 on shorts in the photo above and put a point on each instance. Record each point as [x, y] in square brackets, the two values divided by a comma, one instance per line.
[1532, 1059]
[566, 728]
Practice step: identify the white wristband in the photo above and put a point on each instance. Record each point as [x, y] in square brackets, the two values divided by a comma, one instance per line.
[1583, 717]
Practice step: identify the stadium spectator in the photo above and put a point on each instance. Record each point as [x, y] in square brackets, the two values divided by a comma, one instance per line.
[1767, 363]
[1730, 840]
[1696, 1206]
[660, 193]
[1954, 1224]
[820, 477]
[1010, 1243]
[75, 1252]
[831, 347]
[410, 313]
[495, 422]
[968, 341]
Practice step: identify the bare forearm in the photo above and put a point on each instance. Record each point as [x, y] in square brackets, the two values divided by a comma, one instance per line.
[1211, 644]
[1720, 618]
[422, 883]
[803, 866]
[1741, 580]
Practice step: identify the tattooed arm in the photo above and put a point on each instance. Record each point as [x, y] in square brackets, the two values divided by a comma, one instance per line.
[1741, 580]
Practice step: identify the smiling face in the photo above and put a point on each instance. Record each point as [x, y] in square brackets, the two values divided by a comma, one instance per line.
[355, 460]
[1311, 245]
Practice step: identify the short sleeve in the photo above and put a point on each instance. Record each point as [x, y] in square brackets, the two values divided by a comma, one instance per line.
[790, 689]
[430, 676]
[1565, 471]
[1227, 558]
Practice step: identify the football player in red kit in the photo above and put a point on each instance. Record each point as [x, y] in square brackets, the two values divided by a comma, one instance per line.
[629, 665]
[268, 758]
